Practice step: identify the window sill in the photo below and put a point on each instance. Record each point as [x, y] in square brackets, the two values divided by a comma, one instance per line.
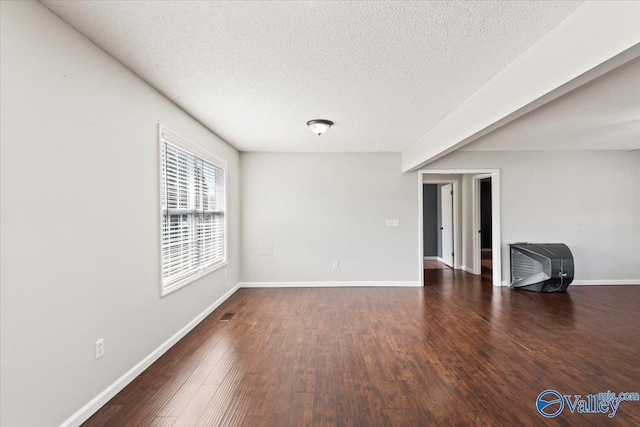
[166, 290]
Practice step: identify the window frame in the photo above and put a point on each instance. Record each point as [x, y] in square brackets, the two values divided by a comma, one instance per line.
[204, 154]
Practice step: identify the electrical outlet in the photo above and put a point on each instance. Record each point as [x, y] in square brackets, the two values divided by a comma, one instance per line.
[99, 348]
[335, 264]
[393, 223]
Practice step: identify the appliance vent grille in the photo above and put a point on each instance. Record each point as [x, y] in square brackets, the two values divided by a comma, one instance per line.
[524, 266]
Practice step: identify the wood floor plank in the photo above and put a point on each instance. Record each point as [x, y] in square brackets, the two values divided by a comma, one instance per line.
[194, 408]
[456, 352]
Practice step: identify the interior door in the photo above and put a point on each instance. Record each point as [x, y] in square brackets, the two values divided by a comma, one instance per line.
[446, 198]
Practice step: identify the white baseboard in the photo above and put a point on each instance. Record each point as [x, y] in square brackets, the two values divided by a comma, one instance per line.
[433, 258]
[467, 269]
[100, 400]
[618, 282]
[324, 284]
[605, 282]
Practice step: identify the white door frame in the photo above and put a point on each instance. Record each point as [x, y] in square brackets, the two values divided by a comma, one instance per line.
[495, 217]
[477, 241]
[457, 235]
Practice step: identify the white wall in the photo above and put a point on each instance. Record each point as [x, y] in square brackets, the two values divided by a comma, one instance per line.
[312, 209]
[589, 200]
[80, 227]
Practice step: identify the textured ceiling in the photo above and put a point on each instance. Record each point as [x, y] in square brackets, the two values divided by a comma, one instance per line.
[256, 72]
[601, 115]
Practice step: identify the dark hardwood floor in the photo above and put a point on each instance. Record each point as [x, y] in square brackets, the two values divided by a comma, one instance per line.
[456, 352]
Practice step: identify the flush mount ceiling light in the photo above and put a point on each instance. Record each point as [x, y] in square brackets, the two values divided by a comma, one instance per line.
[319, 126]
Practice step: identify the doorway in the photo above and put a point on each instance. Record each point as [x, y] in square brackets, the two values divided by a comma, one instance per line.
[438, 225]
[486, 264]
[467, 230]
[483, 224]
[446, 227]
[440, 222]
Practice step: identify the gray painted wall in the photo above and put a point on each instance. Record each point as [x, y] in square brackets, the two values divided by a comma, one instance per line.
[80, 219]
[300, 212]
[430, 212]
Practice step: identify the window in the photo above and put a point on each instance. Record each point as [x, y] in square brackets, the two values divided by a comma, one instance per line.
[192, 198]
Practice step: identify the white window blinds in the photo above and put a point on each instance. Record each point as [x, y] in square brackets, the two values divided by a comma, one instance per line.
[193, 211]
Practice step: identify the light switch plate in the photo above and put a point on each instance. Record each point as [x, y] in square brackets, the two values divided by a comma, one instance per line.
[99, 348]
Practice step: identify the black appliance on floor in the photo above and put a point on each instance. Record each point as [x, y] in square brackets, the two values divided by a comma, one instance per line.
[541, 267]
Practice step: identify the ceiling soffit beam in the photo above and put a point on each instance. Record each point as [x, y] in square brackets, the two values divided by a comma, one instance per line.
[596, 38]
